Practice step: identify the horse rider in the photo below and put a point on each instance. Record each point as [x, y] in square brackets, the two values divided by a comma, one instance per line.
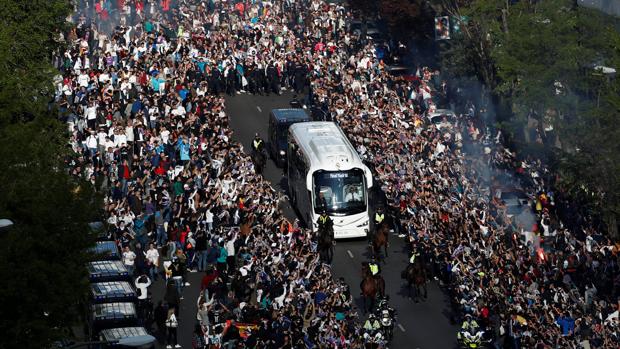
[258, 144]
[415, 252]
[413, 257]
[325, 222]
[374, 267]
[378, 220]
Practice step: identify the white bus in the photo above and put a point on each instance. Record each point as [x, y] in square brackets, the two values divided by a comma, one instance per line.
[326, 173]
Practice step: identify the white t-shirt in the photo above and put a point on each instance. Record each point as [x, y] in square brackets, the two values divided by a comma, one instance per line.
[129, 258]
[152, 255]
[83, 80]
[165, 135]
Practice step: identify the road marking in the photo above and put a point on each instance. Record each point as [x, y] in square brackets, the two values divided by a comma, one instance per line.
[259, 109]
[350, 253]
[400, 327]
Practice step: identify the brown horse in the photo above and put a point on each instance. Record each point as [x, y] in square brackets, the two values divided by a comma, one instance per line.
[381, 240]
[416, 277]
[326, 244]
[371, 287]
[259, 159]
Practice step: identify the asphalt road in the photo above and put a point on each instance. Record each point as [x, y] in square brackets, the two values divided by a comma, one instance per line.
[421, 325]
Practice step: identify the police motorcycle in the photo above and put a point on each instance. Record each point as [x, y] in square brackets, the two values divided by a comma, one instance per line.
[471, 336]
[387, 318]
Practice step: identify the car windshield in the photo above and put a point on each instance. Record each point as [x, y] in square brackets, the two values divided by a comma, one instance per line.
[340, 192]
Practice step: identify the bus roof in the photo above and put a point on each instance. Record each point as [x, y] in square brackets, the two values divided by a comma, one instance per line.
[290, 114]
[326, 146]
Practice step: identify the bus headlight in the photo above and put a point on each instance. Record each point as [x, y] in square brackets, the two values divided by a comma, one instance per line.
[282, 152]
[364, 224]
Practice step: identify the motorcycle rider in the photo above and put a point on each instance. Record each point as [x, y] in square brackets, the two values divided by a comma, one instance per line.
[469, 325]
[386, 316]
[372, 325]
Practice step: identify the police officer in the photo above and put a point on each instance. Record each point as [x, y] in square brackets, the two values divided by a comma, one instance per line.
[258, 144]
[324, 222]
[469, 325]
[413, 256]
[374, 267]
[372, 324]
[379, 217]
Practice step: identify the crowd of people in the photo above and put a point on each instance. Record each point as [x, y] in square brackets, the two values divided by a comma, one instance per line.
[141, 90]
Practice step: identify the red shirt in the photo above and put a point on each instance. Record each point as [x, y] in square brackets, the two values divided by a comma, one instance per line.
[208, 279]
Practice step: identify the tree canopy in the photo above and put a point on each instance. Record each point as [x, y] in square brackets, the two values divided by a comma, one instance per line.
[541, 59]
[43, 255]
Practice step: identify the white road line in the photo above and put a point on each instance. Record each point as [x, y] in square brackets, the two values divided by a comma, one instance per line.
[259, 109]
[350, 253]
[400, 327]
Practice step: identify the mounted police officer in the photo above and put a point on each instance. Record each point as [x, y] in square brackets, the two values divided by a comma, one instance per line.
[378, 219]
[258, 144]
[374, 267]
[325, 222]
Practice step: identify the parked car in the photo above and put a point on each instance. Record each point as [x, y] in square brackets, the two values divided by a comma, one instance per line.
[442, 118]
[518, 205]
[357, 27]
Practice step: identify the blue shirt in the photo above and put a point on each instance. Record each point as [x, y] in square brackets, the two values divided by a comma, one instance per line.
[184, 151]
[567, 324]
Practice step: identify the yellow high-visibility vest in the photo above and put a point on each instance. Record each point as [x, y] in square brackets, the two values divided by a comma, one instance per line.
[257, 142]
[374, 269]
[379, 217]
[412, 259]
[323, 219]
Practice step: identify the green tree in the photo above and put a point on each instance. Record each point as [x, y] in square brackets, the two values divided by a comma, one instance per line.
[43, 255]
[591, 169]
[29, 35]
[469, 53]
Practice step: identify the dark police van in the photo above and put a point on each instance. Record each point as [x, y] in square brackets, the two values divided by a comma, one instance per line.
[112, 315]
[101, 271]
[106, 251]
[279, 121]
[113, 291]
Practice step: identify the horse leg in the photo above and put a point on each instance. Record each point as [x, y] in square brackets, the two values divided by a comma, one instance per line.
[425, 291]
[386, 249]
[409, 286]
[330, 254]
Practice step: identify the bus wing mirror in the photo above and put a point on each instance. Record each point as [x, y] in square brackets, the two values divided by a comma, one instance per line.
[368, 175]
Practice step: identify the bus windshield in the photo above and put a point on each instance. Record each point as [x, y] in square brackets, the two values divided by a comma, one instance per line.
[340, 192]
